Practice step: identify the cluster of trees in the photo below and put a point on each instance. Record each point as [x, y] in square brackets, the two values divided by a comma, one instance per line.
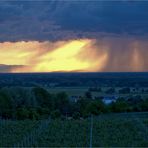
[134, 104]
[125, 90]
[36, 103]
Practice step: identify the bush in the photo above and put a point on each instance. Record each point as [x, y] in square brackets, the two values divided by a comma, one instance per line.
[144, 105]
[62, 103]
[33, 114]
[88, 95]
[55, 114]
[22, 113]
[119, 106]
[95, 107]
[43, 111]
[76, 115]
[43, 97]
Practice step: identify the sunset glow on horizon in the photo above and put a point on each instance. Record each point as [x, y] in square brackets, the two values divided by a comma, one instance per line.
[84, 55]
[33, 56]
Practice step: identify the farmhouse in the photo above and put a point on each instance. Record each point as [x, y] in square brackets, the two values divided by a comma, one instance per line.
[109, 99]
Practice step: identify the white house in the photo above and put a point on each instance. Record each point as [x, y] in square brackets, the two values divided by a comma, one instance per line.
[109, 99]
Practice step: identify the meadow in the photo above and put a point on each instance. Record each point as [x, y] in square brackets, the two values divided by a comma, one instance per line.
[115, 129]
[80, 91]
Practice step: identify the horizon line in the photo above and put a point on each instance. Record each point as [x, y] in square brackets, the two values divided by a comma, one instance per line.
[72, 72]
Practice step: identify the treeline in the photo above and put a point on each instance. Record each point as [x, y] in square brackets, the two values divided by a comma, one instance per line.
[37, 103]
[124, 90]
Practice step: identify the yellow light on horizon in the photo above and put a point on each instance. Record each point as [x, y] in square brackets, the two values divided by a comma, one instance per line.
[46, 56]
[67, 56]
[64, 58]
[17, 53]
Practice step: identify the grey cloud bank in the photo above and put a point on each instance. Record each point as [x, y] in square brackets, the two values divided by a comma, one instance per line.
[63, 20]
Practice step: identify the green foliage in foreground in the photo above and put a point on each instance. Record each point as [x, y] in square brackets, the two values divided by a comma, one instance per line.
[13, 131]
[112, 130]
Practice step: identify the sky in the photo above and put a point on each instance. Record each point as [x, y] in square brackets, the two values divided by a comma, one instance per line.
[73, 36]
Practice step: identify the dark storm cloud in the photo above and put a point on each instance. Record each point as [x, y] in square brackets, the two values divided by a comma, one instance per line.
[109, 17]
[9, 12]
[57, 20]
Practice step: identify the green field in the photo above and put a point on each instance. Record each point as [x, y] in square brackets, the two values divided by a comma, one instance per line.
[80, 91]
[69, 90]
[120, 130]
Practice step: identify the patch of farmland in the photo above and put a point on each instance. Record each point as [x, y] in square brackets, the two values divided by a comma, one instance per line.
[69, 90]
[80, 91]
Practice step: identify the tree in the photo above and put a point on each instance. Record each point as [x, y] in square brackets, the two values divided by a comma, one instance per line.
[95, 107]
[62, 103]
[5, 104]
[76, 115]
[119, 106]
[33, 114]
[88, 95]
[20, 97]
[144, 105]
[55, 114]
[43, 97]
[22, 113]
[81, 105]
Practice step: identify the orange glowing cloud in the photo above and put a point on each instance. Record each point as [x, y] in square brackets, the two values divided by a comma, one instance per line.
[47, 56]
[87, 55]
